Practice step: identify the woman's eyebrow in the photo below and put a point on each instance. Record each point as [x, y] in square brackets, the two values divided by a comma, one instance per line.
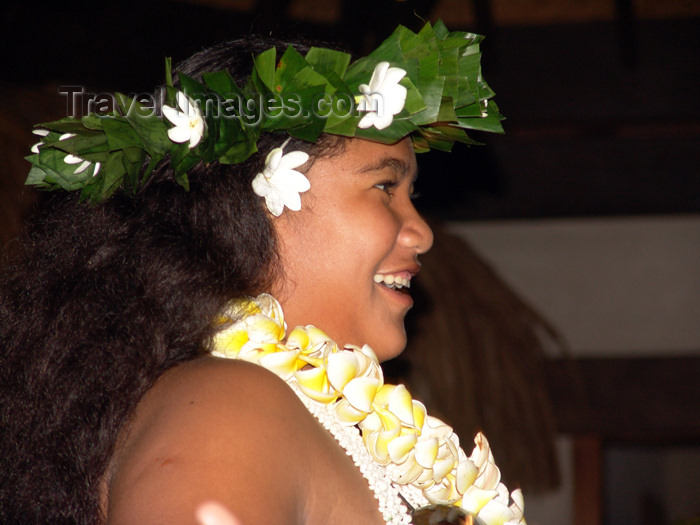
[400, 166]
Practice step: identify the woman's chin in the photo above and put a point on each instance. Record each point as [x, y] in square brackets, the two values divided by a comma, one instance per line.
[389, 349]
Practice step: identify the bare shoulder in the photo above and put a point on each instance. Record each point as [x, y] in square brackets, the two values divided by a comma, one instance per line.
[231, 431]
[200, 427]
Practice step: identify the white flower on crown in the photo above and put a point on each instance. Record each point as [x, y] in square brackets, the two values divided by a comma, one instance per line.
[84, 164]
[42, 133]
[189, 125]
[69, 158]
[279, 183]
[383, 98]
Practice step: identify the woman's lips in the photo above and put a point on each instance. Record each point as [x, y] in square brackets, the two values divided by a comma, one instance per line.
[396, 284]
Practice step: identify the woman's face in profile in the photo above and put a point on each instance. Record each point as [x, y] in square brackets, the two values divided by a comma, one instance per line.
[355, 242]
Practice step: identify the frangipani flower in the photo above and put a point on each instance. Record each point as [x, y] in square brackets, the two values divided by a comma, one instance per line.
[313, 380]
[343, 370]
[498, 512]
[279, 182]
[383, 98]
[355, 372]
[189, 125]
[487, 497]
[352, 364]
[257, 327]
[256, 333]
[392, 434]
[489, 476]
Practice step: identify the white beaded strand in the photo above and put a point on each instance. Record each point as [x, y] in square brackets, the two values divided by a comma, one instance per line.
[391, 504]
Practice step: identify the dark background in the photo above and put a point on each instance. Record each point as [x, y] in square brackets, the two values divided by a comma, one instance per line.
[603, 116]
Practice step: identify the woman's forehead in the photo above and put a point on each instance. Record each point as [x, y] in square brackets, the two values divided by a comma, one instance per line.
[361, 159]
[367, 157]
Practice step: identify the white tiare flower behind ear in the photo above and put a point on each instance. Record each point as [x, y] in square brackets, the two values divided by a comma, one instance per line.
[188, 122]
[279, 182]
[383, 98]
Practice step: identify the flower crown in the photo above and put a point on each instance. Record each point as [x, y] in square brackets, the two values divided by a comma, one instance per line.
[426, 84]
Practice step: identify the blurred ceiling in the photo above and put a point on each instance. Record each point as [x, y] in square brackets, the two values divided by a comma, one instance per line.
[504, 12]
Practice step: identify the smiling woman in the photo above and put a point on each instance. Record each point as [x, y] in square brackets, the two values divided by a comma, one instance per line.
[148, 362]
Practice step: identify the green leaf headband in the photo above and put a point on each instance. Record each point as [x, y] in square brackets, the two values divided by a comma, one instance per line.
[426, 84]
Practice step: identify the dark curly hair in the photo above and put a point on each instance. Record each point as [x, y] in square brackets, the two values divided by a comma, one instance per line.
[97, 301]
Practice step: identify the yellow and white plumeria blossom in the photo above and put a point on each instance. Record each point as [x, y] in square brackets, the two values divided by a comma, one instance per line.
[383, 98]
[415, 448]
[279, 183]
[253, 330]
[189, 125]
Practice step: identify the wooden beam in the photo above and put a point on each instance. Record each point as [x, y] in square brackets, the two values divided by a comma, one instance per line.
[646, 400]
[588, 480]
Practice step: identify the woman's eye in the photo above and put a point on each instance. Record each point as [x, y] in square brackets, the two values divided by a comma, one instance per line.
[386, 187]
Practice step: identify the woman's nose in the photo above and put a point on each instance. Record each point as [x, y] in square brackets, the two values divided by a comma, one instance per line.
[415, 233]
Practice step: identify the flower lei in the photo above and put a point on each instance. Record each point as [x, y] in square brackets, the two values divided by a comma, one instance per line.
[417, 450]
[426, 84]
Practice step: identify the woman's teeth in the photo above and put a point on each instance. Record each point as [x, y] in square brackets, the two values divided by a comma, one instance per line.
[395, 282]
